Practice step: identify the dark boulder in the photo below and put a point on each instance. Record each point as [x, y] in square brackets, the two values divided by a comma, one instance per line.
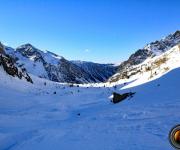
[120, 97]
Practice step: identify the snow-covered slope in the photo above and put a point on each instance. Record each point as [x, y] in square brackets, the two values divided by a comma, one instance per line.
[48, 115]
[56, 68]
[151, 68]
[149, 51]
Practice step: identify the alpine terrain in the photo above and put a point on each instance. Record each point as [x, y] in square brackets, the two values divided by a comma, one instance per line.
[48, 65]
[48, 102]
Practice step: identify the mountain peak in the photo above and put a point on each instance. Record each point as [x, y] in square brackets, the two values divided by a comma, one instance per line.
[26, 45]
[177, 34]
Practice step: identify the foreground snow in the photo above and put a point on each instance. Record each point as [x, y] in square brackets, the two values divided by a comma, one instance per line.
[33, 117]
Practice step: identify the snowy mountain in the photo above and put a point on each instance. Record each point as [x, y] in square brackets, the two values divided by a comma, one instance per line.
[153, 68]
[100, 72]
[49, 115]
[7, 64]
[149, 51]
[56, 68]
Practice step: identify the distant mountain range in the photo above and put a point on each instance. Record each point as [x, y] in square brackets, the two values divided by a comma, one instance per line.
[45, 64]
[48, 65]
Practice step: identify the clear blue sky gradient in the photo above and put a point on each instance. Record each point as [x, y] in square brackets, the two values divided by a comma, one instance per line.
[92, 30]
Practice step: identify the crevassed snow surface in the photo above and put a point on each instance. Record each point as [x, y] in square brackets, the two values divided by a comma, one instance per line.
[32, 117]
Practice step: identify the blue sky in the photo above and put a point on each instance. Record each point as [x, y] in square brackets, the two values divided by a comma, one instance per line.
[92, 30]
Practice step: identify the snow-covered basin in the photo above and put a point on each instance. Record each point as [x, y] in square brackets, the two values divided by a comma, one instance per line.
[83, 117]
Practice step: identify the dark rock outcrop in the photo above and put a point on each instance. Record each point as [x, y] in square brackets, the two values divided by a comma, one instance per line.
[120, 97]
[2, 48]
[8, 65]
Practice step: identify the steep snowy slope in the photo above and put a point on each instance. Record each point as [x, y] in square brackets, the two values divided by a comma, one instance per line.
[149, 51]
[56, 68]
[152, 68]
[8, 66]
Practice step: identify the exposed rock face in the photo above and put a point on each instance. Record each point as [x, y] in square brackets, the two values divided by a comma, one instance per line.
[56, 68]
[150, 50]
[8, 65]
[99, 72]
[1, 48]
[68, 72]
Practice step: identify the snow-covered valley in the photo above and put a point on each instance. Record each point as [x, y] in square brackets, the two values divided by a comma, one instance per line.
[34, 117]
[46, 115]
